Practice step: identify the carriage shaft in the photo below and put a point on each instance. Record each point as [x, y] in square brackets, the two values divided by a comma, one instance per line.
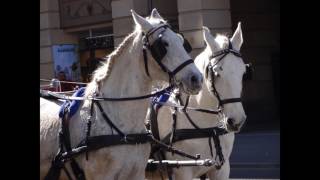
[178, 163]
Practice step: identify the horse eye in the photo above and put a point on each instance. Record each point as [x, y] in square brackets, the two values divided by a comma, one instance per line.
[220, 68]
[165, 43]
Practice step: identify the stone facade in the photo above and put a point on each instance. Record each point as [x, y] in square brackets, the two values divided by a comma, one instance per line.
[194, 14]
[191, 16]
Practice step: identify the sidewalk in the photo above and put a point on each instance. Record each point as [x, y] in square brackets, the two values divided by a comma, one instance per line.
[256, 155]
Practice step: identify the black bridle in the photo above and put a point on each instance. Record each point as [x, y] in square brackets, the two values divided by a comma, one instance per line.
[158, 51]
[211, 74]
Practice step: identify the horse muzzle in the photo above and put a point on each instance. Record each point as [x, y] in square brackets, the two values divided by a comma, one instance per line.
[233, 127]
[192, 84]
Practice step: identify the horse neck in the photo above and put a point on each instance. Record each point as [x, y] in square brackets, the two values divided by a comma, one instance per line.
[127, 79]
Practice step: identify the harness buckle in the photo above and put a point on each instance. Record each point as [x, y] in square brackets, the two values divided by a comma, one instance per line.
[198, 156]
[89, 118]
[214, 132]
[125, 139]
[220, 110]
[144, 46]
[145, 42]
[218, 165]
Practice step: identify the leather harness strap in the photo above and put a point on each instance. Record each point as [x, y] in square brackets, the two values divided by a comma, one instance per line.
[231, 100]
[64, 141]
[91, 143]
[51, 95]
[184, 134]
[181, 66]
[107, 119]
[145, 60]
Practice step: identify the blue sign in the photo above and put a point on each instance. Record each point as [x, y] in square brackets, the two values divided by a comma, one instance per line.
[66, 62]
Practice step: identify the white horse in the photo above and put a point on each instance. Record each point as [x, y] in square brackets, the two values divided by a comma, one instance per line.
[228, 83]
[123, 75]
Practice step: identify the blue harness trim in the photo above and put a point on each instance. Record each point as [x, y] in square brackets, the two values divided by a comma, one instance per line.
[161, 98]
[72, 105]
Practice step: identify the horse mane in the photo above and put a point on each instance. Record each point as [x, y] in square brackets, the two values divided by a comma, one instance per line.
[222, 40]
[156, 21]
[104, 71]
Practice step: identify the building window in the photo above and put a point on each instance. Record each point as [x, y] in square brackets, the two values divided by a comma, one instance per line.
[94, 46]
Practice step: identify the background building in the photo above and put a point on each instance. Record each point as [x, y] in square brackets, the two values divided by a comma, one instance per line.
[97, 26]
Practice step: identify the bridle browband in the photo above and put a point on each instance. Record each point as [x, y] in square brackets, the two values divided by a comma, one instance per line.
[211, 74]
[158, 51]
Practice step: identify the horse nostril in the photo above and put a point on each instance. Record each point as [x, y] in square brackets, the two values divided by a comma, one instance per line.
[230, 121]
[194, 79]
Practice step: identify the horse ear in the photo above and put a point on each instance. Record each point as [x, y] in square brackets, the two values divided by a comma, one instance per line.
[237, 38]
[141, 22]
[209, 39]
[155, 14]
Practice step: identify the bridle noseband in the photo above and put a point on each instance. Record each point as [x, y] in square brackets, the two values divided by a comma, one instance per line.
[212, 75]
[158, 51]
